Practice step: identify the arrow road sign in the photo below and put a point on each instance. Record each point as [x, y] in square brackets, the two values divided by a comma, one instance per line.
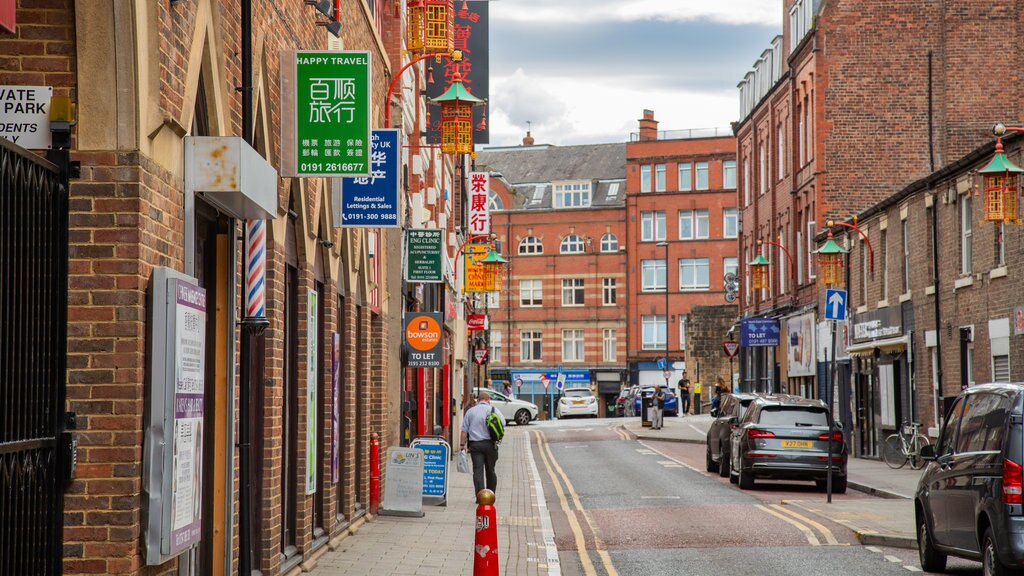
[835, 304]
[731, 348]
[661, 363]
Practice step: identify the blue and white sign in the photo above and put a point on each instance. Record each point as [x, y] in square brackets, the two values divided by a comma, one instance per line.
[662, 363]
[835, 304]
[759, 332]
[372, 201]
[435, 468]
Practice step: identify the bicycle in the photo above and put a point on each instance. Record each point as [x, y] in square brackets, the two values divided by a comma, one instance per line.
[905, 446]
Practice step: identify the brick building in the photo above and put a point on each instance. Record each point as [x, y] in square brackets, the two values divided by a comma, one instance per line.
[146, 79]
[559, 214]
[681, 226]
[844, 109]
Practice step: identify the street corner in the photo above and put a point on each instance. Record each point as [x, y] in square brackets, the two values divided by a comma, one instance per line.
[870, 521]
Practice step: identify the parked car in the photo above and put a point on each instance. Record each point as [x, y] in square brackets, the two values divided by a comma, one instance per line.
[730, 412]
[969, 498]
[787, 438]
[513, 410]
[671, 401]
[622, 401]
[577, 402]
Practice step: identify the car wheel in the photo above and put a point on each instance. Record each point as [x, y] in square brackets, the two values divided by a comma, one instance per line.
[523, 417]
[746, 479]
[724, 468]
[733, 478]
[931, 559]
[709, 462]
[990, 563]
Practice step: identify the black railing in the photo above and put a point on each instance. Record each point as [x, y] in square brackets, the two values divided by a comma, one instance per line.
[33, 335]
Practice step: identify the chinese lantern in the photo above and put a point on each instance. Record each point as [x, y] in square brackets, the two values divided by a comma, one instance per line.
[457, 117]
[759, 272]
[1000, 181]
[430, 25]
[494, 265]
[830, 262]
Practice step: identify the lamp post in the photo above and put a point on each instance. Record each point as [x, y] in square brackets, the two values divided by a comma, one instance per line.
[830, 262]
[664, 245]
[863, 234]
[792, 269]
[1001, 182]
[455, 55]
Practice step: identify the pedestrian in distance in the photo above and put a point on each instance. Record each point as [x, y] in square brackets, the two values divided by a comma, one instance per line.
[507, 390]
[658, 407]
[716, 400]
[477, 439]
[684, 395]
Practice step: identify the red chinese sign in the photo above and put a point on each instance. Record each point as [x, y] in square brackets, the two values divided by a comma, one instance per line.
[471, 36]
[479, 196]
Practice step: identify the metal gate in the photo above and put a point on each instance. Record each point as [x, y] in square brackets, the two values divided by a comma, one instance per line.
[33, 336]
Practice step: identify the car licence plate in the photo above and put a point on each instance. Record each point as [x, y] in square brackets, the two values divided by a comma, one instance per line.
[796, 443]
[577, 402]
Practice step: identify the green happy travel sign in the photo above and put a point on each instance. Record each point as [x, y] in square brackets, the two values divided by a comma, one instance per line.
[332, 113]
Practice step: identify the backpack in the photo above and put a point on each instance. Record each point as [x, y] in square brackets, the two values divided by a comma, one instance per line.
[496, 425]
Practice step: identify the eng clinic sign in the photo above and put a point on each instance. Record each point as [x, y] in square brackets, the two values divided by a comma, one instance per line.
[325, 116]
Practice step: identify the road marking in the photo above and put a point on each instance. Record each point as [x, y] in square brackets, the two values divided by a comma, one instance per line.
[546, 530]
[662, 454]
[808, 533]
[873, 549]
[577, 532]
[913, 568]
[659, 497]
[894, 559]
[602, 553]
[568, 446]
[664, 462]
[699, 431]
[829, 537]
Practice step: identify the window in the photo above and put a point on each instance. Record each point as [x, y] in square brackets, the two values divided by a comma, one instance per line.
[810, 250]
[530, 345]
[729, 174]
[653, 275]
[609, 344]
[864, 263]
[799, 257]
[906, 257]
[572, 292]
[885, 269]
[682, 332]
[1001, 368]
[763, 173]
[746, 182]
[654, 333]
[493, 300]
[609, 243]
[966, 231]
[693, 274]
[572, 345]
[530, 293]
[659, 177]
[1001, 245]
[983, 427]
[782, 270]
[531, 245]
[693, 224]
[652, 226]
[948, 439]
[685, 176]
[801, 118]
[572, 195]
[731, 265]
[782, 154]
[495, 346]
[730, 223]
[609, 291]
[702, 175]
[572, 244]
[645, 179]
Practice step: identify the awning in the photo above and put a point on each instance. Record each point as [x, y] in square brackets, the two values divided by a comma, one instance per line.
[888, 345]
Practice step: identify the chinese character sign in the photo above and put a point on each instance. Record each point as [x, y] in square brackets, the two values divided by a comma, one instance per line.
[479, 196]
[479, 277]
[471, 36]
[331, 133]
[372, 201]
[423, 255]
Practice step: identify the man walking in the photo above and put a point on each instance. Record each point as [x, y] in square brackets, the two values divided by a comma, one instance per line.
[477, 438]
[684, 395]
[658, 407]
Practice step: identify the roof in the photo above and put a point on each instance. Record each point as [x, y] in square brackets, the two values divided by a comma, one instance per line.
[546, 164]
[610, 194]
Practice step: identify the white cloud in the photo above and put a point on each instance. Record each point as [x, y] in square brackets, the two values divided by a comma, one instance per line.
[602, 109]
[563, 12]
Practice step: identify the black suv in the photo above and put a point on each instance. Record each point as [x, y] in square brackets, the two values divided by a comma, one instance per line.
[730, 411]
[787, 438]
[968, 501]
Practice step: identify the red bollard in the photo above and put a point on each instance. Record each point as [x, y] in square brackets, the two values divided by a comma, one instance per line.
[485, 552]
[374, 473]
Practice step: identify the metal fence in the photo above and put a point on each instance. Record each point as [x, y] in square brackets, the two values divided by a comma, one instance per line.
[690, 134]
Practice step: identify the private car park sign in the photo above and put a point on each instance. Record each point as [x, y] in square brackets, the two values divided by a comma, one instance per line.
[25, 116]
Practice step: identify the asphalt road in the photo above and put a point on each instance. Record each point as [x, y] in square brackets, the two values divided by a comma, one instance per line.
[621, 507]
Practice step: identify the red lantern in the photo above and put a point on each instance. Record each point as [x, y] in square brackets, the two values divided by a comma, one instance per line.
[430, 25]
[457, 117]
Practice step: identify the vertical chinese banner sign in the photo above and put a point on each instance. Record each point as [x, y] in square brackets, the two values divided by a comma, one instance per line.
[479, 196]
[472, 38]
[372, 201]
[312, 317]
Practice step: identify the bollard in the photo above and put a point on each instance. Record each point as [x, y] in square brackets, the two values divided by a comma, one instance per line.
[485, 552]
[374, 473]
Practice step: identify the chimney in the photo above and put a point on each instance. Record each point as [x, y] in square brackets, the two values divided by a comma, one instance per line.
[648, 127]
[528, 140]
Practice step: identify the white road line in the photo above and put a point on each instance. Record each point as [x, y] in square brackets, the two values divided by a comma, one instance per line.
[568, 446]
[663, 462]
[913, 568]
[808, 533]
[699, 431]
[546, 530]
[662, 454]
[829, 537]
[894, 559]
[873, 549]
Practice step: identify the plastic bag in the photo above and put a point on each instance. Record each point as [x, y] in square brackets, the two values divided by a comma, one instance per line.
[463, 464]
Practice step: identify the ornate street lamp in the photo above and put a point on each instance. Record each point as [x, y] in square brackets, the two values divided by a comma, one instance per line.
[759, 271]
[430, 26]
[494, 265]
[830, 262]
[1001, 178]
[457, 117]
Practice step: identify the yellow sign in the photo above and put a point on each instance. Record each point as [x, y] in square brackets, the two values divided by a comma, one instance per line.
[479, 277]
[696, 387]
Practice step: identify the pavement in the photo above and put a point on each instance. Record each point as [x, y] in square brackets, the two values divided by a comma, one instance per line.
[442, 541]
[887, 521]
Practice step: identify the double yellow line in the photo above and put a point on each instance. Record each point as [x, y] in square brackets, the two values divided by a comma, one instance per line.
[555, 472]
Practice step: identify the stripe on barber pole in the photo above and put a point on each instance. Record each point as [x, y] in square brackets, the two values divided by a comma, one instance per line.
[255, 266]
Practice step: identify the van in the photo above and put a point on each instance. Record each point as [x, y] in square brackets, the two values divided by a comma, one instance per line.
[968, 501]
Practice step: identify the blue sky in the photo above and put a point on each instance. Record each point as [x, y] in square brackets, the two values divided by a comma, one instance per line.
[582, 71]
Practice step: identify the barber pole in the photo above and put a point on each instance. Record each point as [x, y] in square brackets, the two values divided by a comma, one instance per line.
[255, 268]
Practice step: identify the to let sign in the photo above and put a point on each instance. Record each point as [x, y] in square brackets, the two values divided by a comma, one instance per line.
[479, 212]
[423, 337]
[25, 115]
[331, 116]
[423, 256]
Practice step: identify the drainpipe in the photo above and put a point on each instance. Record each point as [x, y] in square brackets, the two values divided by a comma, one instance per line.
[935, 245]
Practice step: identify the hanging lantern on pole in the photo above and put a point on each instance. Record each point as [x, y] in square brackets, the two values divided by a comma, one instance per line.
[759, 272]
[830, 262]
[457, 117]
[430, 26]
[494, 265]
[1000, 180]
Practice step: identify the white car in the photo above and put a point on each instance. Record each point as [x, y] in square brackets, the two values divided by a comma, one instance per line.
[513, 410]
[577, 402]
